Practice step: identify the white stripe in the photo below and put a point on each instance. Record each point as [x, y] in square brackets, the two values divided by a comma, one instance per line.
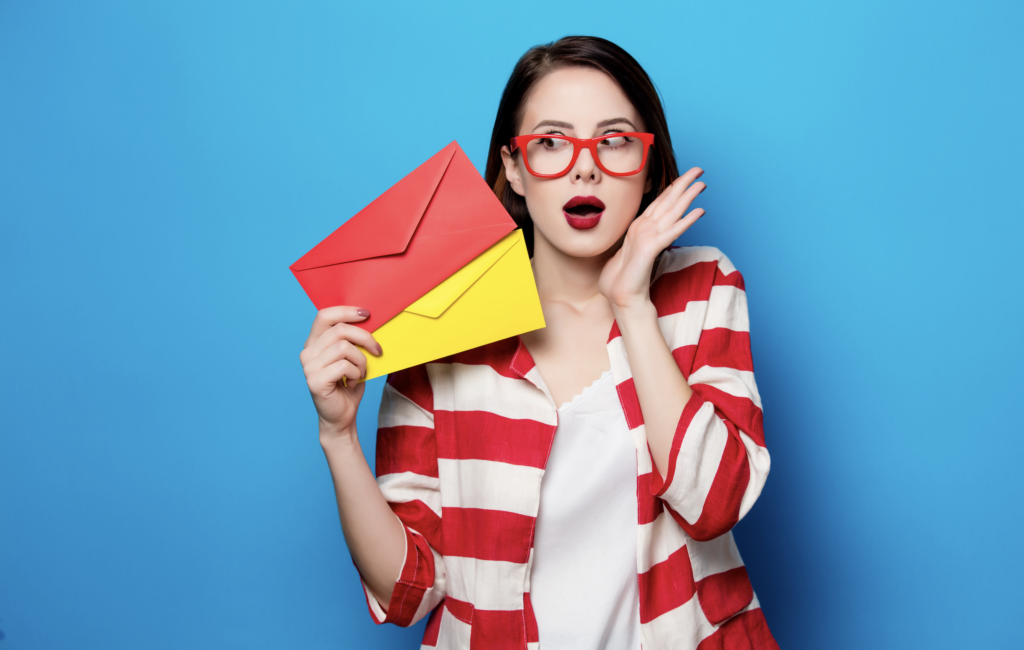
[684, 328]
[738, 383]
[713, 556]
[682, 628]
[462, 387]
[529, 571]
[534, 377]
[376, 610]
[727, 307]
[643, 455]
[680, 258]
[619, 362]
[398, 410]
[434, 594]
[658, 540]
[454, 634]
[697, 463]
[760, 463]
[488, 584]
[489, 485]
[403, 487]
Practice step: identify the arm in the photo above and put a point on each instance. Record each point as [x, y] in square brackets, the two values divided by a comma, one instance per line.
[704, 429]
[700, 407]
[380, 543]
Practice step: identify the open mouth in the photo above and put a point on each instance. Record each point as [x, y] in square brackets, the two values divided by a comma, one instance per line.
[583, 212]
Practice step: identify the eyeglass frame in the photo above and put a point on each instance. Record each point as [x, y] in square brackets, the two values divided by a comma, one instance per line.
[578, 144]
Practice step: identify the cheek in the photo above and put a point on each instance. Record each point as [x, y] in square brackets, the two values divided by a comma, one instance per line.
[544, 198]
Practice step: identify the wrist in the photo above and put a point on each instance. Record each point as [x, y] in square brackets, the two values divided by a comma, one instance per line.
[637, 310]
[335, 437]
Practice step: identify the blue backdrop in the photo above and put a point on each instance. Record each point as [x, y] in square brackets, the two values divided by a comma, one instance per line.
[162, 163]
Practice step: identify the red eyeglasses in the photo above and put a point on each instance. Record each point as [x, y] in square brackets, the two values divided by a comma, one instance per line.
[551, 156]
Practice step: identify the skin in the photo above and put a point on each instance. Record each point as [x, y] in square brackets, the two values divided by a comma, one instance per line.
[585, 279]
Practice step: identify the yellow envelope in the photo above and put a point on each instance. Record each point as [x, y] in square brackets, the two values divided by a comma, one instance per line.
[490, 299]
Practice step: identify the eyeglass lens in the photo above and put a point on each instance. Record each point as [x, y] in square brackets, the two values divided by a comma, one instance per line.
[619, 154]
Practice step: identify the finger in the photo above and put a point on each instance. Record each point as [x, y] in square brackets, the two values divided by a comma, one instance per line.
[678, 208]
[339, 332]
[334, 353]
[332, 375]
[674, 191]
[681, 226]
[331, 316]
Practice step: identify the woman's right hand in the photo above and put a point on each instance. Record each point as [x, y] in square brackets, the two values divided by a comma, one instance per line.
[334, 365]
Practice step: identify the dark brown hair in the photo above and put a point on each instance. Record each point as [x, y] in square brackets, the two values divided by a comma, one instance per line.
[589, 52]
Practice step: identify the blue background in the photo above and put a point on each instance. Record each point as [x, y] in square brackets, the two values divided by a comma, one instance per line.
[162, 163]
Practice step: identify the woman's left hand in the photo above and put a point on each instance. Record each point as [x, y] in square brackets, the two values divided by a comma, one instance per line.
[625, 280]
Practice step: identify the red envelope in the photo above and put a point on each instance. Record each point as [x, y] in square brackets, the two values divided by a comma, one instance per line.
[409, 240]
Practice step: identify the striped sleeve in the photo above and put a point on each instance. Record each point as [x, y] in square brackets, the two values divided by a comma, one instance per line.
[718, 462]
[408, 478]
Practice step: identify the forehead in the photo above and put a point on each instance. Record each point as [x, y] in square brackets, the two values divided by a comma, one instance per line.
[580, 96]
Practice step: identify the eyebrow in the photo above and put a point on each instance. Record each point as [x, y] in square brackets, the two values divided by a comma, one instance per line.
[566, 125]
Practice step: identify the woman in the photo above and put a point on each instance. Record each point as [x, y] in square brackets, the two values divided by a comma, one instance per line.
[574, 486]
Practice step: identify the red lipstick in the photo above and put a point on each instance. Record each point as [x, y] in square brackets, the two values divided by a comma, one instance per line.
[583, 212]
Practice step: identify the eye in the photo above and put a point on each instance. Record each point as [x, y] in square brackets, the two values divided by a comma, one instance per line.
[553, 144]
[616, 141]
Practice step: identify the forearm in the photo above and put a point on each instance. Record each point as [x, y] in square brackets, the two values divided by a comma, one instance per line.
[661, 388]
[374, 534]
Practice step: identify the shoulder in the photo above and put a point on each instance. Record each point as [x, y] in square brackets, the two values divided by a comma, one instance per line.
[686, 273]
[694, 259]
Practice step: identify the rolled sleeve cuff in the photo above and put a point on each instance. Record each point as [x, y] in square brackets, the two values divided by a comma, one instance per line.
[416, 578]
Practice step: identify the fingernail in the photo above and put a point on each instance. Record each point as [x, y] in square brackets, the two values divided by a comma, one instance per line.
[380, 350]
[363, 313]
[702, 189]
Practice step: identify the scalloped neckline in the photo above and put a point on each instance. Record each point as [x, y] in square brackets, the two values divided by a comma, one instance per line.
[577, 398]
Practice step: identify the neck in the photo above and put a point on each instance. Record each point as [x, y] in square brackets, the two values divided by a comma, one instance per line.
[564, 278]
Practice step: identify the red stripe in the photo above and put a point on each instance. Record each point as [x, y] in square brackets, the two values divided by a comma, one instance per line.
[724, 348]
[741, 411]
[748, 631]
[666, 586]
[723, 594]
[522, 361]
[417, 576]
[497, 355]
[658, 484]
[615, 333]
[480, 435]
[433, 627]
[531, 620]
[418, 516]
[734, 279]
[406, 449]
[498, 629]
[414, 384]
[671, 292]
[648, 505]
[722, 505]
[487, 534]
[460, 609]
[630, 403]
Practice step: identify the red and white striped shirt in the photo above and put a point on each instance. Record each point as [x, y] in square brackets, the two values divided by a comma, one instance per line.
[461, 449]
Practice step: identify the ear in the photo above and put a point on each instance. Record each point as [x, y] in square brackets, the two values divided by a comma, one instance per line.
[512, 171]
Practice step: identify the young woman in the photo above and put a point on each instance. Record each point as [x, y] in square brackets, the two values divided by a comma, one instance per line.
[573, 487]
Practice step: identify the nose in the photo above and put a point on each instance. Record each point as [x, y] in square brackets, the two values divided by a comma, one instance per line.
[585, 168]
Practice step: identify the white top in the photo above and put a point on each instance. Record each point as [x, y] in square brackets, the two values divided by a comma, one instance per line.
[583, 585]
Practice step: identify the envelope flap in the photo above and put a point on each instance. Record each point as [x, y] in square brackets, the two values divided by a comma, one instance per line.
[441, 297]
[386, 226]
